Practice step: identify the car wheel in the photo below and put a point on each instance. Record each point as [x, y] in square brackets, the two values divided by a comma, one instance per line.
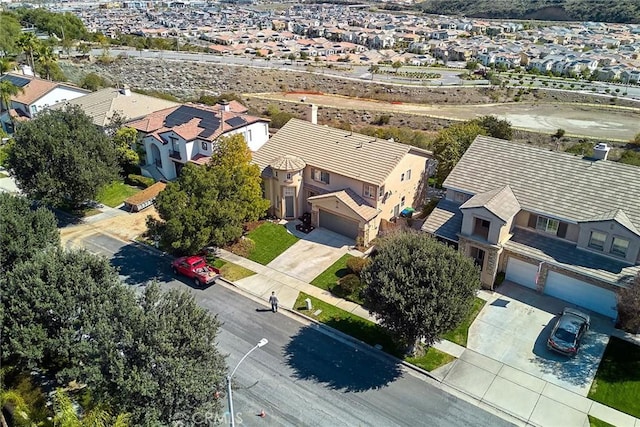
[196, 282]
[175, 271]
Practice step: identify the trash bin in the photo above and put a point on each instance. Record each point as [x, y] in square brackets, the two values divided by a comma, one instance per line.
[308, 302]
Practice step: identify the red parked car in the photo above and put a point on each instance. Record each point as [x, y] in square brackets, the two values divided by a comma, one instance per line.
[196, 268]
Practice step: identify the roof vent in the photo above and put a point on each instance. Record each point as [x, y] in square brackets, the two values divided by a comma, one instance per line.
[601, 151]
[225, 105]
[125, 90]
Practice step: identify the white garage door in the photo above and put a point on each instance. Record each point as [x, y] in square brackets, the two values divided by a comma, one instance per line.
[338, 224]
[581, 293]
[521, 272]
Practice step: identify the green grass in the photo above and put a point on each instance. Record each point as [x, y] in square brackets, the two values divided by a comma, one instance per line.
[617, 382]
[460, 334]
[431, 359]
[271, 240]
[231, 271]
[328, 278]
[114, 194]
[595, 422]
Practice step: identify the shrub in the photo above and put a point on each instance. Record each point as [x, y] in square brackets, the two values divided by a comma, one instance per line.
[356, 264]
[382, 120]
[243, 247]
[499, 279]
[346, 286]
[139, 181]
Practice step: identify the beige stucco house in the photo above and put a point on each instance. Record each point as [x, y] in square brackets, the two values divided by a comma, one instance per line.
[564, 225]
[348, 182]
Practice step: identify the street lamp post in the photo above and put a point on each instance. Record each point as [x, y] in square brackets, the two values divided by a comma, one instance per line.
[232, 421]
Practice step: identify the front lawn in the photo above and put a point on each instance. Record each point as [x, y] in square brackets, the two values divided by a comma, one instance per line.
[595, 422]
[270, 240]
[115, 193]
[431, 359]
[229, 270]
[617, 382]
[328, 278]
[460, 334]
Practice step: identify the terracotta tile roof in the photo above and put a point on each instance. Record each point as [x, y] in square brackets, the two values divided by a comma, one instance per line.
[37, 88]
[200, 159]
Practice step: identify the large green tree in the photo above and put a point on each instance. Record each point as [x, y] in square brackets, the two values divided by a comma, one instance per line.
[9, 33]
[451, 143]
[24, 231]
[629, 306]
[209, 204]
[418, 287]
[63, 158]
[28, 43]
[495, 127]
[124, 139]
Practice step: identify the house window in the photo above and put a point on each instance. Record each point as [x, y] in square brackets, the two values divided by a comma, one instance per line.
[619, 246]
[381, 191]
[402, 177]
[597, 239]
[408, 175]
[478, 256]
[275, 173]
[249, 135]
[460, 197]
[288, 176]
[321, 176]
[402, 201]
[547, 225]
[205, 146]
[481, 228]
[369, 191]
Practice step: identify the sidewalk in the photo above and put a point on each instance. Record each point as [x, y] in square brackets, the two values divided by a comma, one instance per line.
[482, 380]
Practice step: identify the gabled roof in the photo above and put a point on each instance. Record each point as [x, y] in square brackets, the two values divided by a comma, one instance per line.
[34, 88]
[618, 216]
[501, 202]
[559, 185]
[356, 203]
[104, 103]
[346, 153]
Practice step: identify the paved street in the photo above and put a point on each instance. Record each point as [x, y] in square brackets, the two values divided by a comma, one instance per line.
[303, 376]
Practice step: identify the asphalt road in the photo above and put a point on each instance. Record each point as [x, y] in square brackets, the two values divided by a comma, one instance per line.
[302, 377]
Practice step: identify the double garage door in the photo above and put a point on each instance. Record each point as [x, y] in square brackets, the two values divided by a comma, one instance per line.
[339, 224]
[564, 287]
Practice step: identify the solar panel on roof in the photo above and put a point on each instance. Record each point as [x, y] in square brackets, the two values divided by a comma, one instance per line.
[16, 80]
[236, 122]
[185, 113]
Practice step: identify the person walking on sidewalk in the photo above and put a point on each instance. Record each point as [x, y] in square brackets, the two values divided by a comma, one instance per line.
[273, 300]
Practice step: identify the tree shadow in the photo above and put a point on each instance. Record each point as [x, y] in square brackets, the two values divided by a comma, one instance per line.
[314, 356]
[578, 370]
[136, 270]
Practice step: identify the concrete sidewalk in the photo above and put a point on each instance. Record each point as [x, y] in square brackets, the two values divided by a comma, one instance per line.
[484, 381]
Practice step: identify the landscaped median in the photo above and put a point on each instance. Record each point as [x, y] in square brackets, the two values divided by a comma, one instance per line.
[366, 331]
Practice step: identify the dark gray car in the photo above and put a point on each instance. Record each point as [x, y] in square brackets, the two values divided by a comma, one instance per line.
[568, 331]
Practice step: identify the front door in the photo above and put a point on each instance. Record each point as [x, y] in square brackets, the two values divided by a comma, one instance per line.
[289, 202]
[478, 256]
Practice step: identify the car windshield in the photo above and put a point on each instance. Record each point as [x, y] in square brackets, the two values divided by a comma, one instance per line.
[564, 335]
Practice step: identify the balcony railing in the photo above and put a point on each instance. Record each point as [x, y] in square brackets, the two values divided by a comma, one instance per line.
[175, 155]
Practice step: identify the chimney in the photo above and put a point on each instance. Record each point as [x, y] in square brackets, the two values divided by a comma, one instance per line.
[312, 114]
[26, 70]
[225, 105]
[125, 90]
[601, 151]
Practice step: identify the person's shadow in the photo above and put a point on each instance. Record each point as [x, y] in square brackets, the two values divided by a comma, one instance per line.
[262, 310]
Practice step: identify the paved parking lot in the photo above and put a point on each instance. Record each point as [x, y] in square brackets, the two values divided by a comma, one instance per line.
[513, 328]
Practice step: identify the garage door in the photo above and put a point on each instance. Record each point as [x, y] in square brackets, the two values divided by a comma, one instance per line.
[521, 272]
[338, 224]
[581, 293]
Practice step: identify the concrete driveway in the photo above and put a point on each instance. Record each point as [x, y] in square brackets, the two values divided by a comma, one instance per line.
[514, 327]
[313, 253]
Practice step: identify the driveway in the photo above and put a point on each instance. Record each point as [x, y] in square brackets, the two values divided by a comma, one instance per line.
[312, 254]
[513, 329]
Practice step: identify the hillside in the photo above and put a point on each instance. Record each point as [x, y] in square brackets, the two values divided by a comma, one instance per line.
[621, 11]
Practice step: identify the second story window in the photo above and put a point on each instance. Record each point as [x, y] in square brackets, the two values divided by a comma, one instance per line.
[369, 191]
[205, 146]
[402, 201]
[288, 176]
[619, 246]
[597, 239]
[547, 225]
[321, 176]
[407, 175]
[402, 177]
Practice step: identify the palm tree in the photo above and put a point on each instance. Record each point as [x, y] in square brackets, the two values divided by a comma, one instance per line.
[28, 43]
[7, 91]
[67, 416]
[46, 58]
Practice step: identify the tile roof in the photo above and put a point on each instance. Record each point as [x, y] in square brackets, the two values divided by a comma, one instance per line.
[567, 256]
[356, 203]
[445, 220]
[346, 153]
[617, 215]
[560, 185]
[501, 202]
[35, 88]
[102, 104]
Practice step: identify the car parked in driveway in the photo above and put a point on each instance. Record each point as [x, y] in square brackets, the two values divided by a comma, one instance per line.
[568, 331]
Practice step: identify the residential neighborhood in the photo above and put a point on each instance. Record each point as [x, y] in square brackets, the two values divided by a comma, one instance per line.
[165, 255]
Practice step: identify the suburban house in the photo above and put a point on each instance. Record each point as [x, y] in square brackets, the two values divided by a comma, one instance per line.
[105, 104]
[564, 225]
[187, 133]
[346, 182]
[35, 95]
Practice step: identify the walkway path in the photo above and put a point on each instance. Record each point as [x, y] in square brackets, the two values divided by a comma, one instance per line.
[481, 380]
